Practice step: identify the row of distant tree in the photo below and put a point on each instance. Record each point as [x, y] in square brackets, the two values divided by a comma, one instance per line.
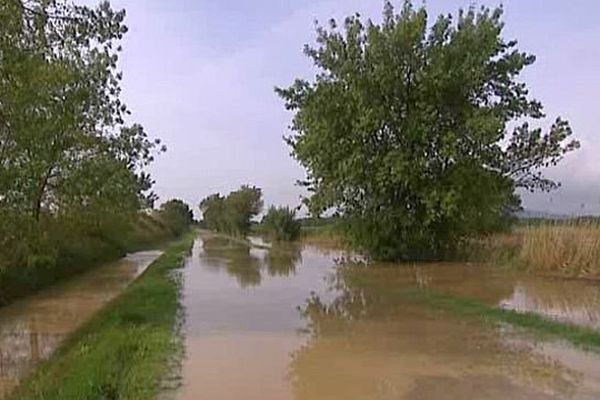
[233, 214]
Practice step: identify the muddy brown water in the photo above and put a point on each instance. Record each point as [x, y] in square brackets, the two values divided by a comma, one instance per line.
[284, 323]
[33, 328]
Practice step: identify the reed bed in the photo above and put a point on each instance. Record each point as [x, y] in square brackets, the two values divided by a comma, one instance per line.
[569, 248]
[329, 237]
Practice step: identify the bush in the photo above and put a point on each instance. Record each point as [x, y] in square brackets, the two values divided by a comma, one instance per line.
[281, 224]
[176, 215]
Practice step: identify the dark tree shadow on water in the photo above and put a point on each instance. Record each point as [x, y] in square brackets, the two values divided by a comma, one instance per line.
[283, 259]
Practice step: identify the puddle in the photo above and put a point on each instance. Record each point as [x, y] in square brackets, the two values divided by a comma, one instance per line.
[285, 323]
[33, 328]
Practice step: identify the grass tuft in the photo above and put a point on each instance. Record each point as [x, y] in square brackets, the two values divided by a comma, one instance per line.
[327, 236]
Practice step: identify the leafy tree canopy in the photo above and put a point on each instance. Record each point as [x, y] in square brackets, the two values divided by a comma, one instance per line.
[177, 215]
[68, 160]
[64, 144]
[232, 214]
[420, 134]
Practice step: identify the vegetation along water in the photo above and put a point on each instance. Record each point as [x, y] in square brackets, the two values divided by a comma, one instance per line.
[404, 272]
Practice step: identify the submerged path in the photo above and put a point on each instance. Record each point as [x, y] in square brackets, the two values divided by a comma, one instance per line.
[287, 323]
[32, 329]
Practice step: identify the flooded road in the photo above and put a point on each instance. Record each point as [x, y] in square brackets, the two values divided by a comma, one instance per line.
[33, 328]
[286, 323]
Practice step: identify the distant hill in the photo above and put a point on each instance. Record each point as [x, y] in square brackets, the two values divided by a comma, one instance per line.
[534, 214]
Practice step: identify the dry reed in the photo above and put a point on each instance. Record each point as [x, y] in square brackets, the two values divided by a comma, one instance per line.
[562, 248]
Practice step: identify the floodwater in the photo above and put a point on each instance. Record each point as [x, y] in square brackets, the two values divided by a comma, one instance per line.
[277, 323]
[33, 328]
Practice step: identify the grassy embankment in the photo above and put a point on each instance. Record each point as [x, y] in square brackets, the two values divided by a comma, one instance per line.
[126, 351]
[69, 250]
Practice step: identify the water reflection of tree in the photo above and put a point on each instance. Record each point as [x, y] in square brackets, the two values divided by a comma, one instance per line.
[375, 336]
[236, 258]
[281, 259]
[245, 265]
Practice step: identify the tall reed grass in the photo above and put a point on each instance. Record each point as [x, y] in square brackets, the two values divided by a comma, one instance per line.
[569, 248]
[327, 236]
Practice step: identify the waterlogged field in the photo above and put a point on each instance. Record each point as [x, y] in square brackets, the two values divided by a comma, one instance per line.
[302, 323]
[269, 321]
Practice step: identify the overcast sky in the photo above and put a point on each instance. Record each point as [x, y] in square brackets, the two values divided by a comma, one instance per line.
[200, 75]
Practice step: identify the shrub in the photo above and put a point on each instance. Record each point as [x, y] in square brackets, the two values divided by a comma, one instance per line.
[281, 224]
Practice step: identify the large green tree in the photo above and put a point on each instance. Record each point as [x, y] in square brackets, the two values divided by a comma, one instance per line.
[66, 152]
[63, 142]
[420, 133]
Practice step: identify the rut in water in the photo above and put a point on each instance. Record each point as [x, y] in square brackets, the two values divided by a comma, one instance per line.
[285, 323]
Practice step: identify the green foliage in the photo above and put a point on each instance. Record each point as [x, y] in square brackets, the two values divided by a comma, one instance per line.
[64, 247]
[126, 350]
[63, 143]
[70, 169]
[405, 131]
[281, 224]
[177, 215]
[232, 214]
[72, 177]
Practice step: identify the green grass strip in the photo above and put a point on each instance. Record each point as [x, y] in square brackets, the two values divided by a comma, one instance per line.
[127, 349]
[583, 337]
[542, 326]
